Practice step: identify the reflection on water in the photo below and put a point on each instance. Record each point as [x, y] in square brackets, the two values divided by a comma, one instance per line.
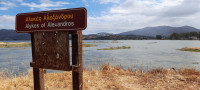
[143, 54]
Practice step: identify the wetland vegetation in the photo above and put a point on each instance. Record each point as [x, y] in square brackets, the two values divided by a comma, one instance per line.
[191, 49]
[26, 44]
[14, 44]
[113, 48]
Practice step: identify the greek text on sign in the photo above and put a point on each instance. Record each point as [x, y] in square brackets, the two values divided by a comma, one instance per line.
[65, 19]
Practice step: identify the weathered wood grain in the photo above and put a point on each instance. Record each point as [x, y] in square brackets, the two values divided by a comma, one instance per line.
[77, 65]
[38, 74]
[51, 50]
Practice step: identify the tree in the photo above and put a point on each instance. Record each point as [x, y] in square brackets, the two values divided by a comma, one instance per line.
[175, 36]
[193, 34]
[158, 37]
[184, 35]
[199, 35]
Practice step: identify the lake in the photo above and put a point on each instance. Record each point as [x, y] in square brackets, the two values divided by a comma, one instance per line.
[143, 55]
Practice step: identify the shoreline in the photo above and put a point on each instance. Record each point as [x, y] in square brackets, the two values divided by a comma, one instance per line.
[27, 44]
[14, 44]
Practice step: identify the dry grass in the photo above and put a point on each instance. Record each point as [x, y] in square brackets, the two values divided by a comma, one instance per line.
[112, 78]
[25, 44]
[14, 44]
[114, 48]
[115, 41]
[192, 49]
[89, 45]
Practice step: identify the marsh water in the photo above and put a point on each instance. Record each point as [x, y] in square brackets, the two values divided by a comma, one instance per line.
[143, 55]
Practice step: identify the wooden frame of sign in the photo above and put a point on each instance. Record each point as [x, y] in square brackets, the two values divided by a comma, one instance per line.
[50, 42]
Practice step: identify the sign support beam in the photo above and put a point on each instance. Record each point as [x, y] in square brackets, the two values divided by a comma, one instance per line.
[38, 76]
[77, 65]
[38, 73]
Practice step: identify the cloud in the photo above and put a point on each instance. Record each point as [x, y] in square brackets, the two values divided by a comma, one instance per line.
[3, 8]
[18, 0]
[7, 5]
[108, 1]
[7, 22]
[145, 7]
[188, 7]
[45, 4]
[86, 2]
[134, 14]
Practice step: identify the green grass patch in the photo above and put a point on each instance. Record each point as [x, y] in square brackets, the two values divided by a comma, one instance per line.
[115, 41]
[195, 63]
[89, 45]
[191, 49]
[114, 48]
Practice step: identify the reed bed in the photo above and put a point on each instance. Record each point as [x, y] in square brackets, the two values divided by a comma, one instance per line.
[191, 49]
[114, 48]
[14, 44]
[26, 44]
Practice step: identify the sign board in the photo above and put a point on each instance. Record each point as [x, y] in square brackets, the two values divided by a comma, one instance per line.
[50, 50]
[65, 19]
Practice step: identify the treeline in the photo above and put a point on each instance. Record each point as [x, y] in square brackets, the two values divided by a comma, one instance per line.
[185, 36]
[116, 37]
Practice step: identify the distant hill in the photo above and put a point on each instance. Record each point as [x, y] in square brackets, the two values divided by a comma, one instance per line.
[8, 34]
[102, 34]
[160, 30]
[144, 33]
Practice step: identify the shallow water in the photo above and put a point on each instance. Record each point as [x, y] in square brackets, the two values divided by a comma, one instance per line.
[143, 54]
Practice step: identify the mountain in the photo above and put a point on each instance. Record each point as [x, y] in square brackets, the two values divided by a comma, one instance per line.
[104, 33]
[161, 30]
[8, 34]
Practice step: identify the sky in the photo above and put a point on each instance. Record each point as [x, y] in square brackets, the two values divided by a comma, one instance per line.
[112, 16]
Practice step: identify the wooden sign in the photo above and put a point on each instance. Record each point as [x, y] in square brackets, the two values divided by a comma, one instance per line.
[65, 19]
[50, 42]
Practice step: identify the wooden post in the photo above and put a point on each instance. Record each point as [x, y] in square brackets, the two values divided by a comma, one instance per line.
[77, 66]
[38, 74]
[38, 77]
